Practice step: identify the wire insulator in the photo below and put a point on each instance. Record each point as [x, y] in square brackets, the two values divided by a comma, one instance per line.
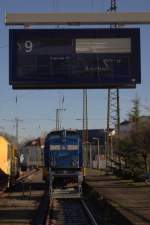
[113, 5]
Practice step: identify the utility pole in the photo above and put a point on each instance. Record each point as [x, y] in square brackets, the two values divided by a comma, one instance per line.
[57, 119]
[113, 110]
[85, 127]
[58, 122]
[17, 129]
[98, 150]
[17, 121]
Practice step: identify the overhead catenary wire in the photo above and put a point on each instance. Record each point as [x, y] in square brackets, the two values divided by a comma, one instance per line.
[92, 4]
[55, 5]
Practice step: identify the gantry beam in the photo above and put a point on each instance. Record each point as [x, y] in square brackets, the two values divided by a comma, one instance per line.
[77, 18]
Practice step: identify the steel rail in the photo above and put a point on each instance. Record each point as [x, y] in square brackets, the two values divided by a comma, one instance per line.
[84, 207]
[90, 215]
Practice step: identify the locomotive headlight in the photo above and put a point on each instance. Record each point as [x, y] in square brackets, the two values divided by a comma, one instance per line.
[75, 163]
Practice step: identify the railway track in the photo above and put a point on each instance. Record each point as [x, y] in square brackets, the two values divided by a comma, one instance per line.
[21, 179]
[61, 208]
[69, 212]
[20, 205]
[26, 175]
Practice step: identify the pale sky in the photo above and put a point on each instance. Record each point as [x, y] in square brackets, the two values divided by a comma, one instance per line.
[37, 108]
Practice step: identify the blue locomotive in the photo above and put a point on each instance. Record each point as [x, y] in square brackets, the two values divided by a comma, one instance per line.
[63, 159]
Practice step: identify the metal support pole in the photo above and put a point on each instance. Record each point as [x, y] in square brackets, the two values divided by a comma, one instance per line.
[98, 151]
[85, 127]
[17, 129]
[118, 128]
[108, 124]
[90, 155]
[113, 111]
[56, 119]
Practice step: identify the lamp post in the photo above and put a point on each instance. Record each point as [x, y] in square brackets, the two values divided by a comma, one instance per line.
[90, 155]
[98, 150]
[112, 134]
[105, 147]
[90, 146]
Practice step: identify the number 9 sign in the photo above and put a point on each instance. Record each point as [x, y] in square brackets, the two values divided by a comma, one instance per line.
[28, 46]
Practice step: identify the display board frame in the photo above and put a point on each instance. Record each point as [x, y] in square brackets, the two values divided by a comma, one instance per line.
[129, 60]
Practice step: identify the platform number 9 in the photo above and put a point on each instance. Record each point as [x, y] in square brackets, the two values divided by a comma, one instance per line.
[28, 46]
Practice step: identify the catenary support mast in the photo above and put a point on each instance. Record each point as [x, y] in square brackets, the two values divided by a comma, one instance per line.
[113, 113]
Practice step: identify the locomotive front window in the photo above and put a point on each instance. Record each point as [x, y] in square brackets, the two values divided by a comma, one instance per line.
[72, 143]
[54, 147]
[72, 147]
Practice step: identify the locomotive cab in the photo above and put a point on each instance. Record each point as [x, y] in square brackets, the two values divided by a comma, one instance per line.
[63, 160]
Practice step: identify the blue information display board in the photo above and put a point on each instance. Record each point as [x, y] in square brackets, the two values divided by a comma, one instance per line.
[74, 58]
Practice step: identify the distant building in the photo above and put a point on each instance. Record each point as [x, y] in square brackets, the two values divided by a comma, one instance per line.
[99, 134]
[96, 133]
[31, 154]
[126, 126]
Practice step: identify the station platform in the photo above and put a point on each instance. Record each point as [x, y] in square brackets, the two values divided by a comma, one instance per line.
[129, 198]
